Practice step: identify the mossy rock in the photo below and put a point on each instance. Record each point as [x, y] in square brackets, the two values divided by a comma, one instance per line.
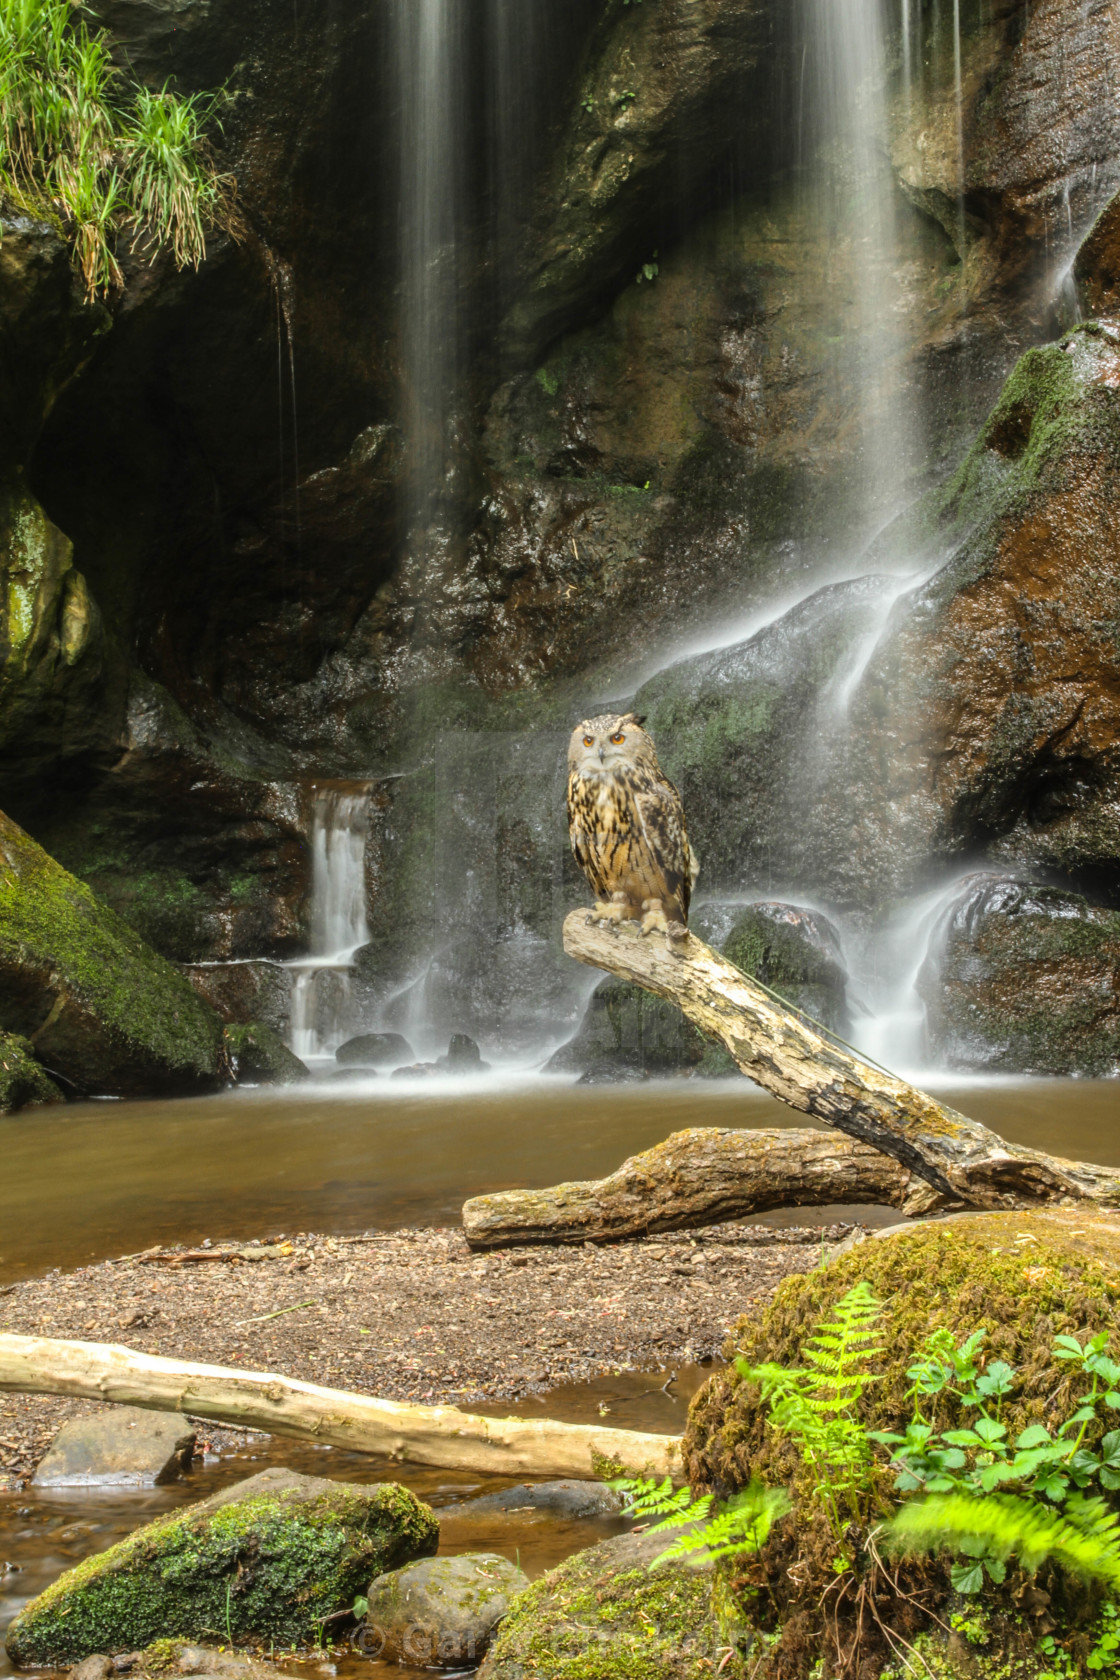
[259, 1056]
[605, 1615]
[264, 1562]
[1025, 1278]
[627, 1026]
[24, 1082]
[102, 1007]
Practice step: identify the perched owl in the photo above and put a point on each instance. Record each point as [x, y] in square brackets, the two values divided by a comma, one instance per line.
[626, 825]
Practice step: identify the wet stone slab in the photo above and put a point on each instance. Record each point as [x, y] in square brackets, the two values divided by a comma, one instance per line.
[126, 1447]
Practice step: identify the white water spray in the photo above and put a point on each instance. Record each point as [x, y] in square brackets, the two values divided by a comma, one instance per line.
[322, 998]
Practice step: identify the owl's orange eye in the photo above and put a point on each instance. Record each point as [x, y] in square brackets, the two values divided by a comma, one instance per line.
[589, 740]
[618, 739]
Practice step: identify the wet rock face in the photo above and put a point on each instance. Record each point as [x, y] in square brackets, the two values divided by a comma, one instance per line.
[127, 1446]
[102, 1008]
[1024, 979]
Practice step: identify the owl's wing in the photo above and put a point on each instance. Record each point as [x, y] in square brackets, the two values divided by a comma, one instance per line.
[580, 830]
[662, 821]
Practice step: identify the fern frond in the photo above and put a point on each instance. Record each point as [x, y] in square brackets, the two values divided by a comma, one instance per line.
[742, 1526]
[1002, 1525]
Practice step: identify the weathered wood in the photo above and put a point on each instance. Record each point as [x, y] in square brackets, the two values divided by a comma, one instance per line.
[962, 1160]
[703, 1176]
[437, 1435]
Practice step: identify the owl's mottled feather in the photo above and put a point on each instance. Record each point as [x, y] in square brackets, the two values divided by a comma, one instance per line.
[626, 823]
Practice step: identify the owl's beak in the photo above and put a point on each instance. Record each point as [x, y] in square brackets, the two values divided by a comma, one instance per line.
[602, 758]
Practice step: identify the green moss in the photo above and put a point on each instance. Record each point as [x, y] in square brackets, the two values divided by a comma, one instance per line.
[57, 940]
[259, 1056]
[1025, 1278]
[589, 1621]
[24, 1082]
[269, 1567]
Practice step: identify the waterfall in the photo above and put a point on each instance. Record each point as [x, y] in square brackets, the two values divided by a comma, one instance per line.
[322, 1001]
[849, 179]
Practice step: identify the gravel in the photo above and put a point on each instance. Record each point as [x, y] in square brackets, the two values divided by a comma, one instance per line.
[412, 1315]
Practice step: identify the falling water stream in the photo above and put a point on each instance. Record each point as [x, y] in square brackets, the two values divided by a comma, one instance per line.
[322, 996]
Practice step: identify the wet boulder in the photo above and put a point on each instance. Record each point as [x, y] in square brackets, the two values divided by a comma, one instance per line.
[626, 1027]
[377, 1049]
[259, 1056]
[567, 1498]
[440, 1612]
[462, 1056]
[246, 991]
[1024, 978]
[794, 951]
[605, 1612]
[265, 1560]
[24, 1081]
[103, 1008]
[126, 1446]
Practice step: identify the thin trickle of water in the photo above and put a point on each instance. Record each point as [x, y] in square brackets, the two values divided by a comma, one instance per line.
[321, 999]
[890, 1023]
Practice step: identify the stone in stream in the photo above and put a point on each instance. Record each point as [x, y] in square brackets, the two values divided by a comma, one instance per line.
[259, 1056]
[462, 1056]
[168, 1657]
[440, 1612]
[101, 1006]
[24, 1082]
[128, 1446]
[266, 1561]
[605, 1612]
[567, 1498]
[1024, 978]
[378, 1049]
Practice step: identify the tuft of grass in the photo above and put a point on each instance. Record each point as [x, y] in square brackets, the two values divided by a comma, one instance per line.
[99, 158]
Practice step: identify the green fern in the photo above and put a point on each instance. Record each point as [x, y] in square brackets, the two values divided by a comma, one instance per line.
[1084, 1538]
[816, 1406]
[742, 1525]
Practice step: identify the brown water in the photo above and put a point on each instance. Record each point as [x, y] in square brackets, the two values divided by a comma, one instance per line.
[44, 1533]
[93, 1180]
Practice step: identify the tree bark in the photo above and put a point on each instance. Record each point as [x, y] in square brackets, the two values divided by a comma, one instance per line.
[437, 1435]
[700, 1177]
[963, 1161]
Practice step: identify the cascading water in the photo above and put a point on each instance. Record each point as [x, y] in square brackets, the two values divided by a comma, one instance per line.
[322, 998]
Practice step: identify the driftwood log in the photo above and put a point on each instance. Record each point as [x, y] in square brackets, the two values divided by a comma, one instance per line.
[962, 1161]
[700, 1177]
[436, 1435]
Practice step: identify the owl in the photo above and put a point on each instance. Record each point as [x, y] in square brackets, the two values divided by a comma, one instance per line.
[626, 825]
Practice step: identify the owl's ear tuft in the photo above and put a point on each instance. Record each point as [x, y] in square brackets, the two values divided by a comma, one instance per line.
[632, 717]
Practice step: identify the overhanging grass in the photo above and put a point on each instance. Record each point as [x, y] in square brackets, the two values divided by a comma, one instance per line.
[100, 158]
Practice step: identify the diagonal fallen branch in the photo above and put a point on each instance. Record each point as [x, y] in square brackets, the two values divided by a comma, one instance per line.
[962, 1160]
[437, 1435]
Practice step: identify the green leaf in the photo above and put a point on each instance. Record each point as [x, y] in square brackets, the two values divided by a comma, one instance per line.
[1035, 1435]
[999, 1378]
[967, 1577]
[989, 1430]
[1067, 1347]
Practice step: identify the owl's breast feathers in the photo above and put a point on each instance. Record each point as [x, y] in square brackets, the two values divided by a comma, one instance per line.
[628, 835]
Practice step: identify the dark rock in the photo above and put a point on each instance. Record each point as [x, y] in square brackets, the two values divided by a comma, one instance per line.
[1023, 978]
[246, 991]
[265, 1560]
[91, 1668]
[259, 1056]
[417, 1070]
[440, 1612]
[24, 1082]
[352, 1075]
[375, 1050]
[794, 951]
[102, 1008]
[203, 1662]
[573, 1499]
[462, 1056]
[125, 1447]
[608, 1600]
[608, 1070]
[627, 1027]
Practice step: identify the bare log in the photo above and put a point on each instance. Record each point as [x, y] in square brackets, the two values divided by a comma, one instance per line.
[703, 1176]
[962, 1160]
[437, 1435]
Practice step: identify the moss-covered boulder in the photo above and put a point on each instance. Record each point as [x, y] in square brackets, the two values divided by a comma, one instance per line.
[259, 1056]
[1024, 978]
[1024, 1278]
[24, 1082]
[440, 1612]
[263, 1562]
[605, 1615]
[102, 1007]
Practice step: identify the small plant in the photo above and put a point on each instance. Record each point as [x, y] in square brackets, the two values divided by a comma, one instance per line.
[649, 270]
[739, 1527]
[82, 151]
[816, 1406]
